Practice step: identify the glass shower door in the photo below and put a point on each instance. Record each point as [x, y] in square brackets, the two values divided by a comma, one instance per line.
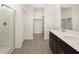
[6, 29]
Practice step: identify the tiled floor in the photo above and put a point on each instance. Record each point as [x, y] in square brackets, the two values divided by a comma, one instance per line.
[36, 46]
[38, 37]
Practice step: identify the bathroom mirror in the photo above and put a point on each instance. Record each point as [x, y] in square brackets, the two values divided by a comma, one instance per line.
[70, 16]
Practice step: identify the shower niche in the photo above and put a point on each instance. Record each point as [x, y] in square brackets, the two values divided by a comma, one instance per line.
[6, 29]
[66, 18]
[67, 23]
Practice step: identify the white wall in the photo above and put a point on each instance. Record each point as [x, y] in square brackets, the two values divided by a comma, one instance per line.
[75, 17]
[38, 13]
[66, 13]
[18, 25]
[28, 22]
[52, 18]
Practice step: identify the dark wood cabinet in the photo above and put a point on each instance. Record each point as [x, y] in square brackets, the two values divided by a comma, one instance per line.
[60, 47]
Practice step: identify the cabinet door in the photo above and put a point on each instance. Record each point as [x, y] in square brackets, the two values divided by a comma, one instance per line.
[65, 48]
[57, 48]
[60, 50]
[50, 41]
[54, 45]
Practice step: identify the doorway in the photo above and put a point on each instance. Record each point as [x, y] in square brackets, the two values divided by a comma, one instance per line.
[38, 23]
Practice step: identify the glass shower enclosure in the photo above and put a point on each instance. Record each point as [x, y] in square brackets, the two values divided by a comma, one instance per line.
[6, 29]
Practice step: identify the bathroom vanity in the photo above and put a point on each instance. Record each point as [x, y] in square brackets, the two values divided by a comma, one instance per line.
[64, 42]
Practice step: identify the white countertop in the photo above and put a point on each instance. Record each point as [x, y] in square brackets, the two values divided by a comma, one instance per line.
[70, 37]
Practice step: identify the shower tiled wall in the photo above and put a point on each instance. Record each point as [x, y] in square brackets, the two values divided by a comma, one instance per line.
[67, 23]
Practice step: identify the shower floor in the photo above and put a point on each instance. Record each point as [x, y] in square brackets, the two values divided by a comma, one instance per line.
[4, 50]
